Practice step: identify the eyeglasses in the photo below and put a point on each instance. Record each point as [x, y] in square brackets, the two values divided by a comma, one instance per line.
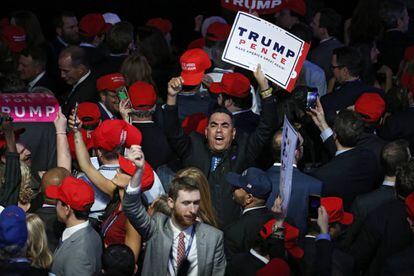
[337, 66]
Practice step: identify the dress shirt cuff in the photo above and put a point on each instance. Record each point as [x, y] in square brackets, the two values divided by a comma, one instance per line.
[326, 134]
[323, 237]
[132, 190]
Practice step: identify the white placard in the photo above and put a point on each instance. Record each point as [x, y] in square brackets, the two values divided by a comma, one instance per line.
[289, 141]
[253, 40]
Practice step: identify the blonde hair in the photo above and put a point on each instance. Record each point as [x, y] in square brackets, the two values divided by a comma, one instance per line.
[206, 212]
[37, 249]
[26, 193]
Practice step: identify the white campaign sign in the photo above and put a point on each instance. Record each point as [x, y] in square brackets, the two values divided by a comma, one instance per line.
[289, 141]
[253, 40]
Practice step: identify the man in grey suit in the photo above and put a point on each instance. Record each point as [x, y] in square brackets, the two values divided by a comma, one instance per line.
[176, 245]
[80, 249]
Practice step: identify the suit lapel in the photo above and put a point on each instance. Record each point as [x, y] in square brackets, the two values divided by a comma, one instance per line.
[168, 242]
[201, 249]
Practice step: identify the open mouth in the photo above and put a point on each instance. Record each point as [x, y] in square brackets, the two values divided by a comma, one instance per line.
[219, 139]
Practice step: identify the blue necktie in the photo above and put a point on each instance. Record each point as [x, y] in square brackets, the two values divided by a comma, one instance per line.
[214, 162]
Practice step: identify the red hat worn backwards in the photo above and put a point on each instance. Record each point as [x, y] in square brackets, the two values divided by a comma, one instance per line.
[115, 133]
[93, 24]
[14, 37]
[142, 95]
[74, 192]
[409, 205]
[275, 267]
[195, 122]
[218, 31]
[164, 25]
[197, 44]
[291, 237]
[371, 105]
[194, 62]
[232, 84]
[129, 168]
[89, 113]
[110, 82]
[335, 209]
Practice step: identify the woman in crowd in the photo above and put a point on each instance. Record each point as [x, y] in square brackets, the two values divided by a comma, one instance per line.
[37, 249]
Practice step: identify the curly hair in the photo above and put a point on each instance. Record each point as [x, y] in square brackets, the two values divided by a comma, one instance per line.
[37, 249]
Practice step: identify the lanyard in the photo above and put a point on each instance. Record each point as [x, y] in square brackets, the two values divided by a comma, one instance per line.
[187, 251]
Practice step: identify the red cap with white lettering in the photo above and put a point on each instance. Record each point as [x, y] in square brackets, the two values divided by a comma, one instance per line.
[194, 62]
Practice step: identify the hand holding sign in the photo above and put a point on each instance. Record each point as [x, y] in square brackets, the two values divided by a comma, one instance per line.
[261, 78]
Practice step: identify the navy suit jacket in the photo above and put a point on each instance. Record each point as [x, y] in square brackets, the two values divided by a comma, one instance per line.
[302, 186]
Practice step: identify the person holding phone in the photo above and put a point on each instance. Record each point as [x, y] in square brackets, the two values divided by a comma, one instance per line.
[108, 87]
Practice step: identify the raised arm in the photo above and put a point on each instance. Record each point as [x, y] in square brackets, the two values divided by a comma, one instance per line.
[64, 159]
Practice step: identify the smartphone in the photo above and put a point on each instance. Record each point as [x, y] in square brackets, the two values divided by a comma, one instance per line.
[75, 113]
[122, 93]
[314, 201]
[311, 98]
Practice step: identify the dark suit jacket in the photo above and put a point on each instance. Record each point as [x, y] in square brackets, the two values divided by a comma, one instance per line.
[95, 55]
[240, 235]
[348, 174]
[54, 228]
[401, 263]
[345, 95]
[384, 233]
[84, 92]
[302, 186]
[322, 55]
[48, 82]
[246, 121]
[399, 126]
[109, 65]
[244, 264]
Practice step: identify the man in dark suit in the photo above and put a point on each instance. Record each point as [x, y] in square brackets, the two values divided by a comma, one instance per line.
[32, 70]
[393, 155]
[47, 212]
[176, 245]
[346, 65]
[75, 71]
[80, 249]
[353, 170]
[234, 94]
[251, 190]
[385, 231]
[303, 185]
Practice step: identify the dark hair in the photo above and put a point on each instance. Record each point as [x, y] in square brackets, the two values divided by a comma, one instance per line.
[152, 44]
[77, 55]
[30, 23]
[38, 55]
[182, 184]
[119, 37]
[397, 99]
[118, 258]
[350, 58]
[243, 103]
[80, 215]
[330, 20]
[368, 74]
[58, 20]
[365, 23]
[390, 12]
[348, 127]
[113, 154]
[394, 154]
[161, 205]
[302, 31]
[222, 110]
[216, 54]
[404, 183]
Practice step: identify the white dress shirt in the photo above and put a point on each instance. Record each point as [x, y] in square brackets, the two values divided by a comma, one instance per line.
[72, 230]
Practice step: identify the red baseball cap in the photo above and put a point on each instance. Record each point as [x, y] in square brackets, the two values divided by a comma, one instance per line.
[335, 209]
[409, 53]
[218, 31]
[93, 24]
[193, 64]
[87, 139]
[409, 205]
[197, 44]
[17, 133]
[232, 84]
[114, 133]
[74, 192]
[275, 267]
[164, 25]
[195, 122]
[89, 113]
[14, 37]
[142, 95]
[297, 6]
[291, 237]
[371, 106]
[110, 82]
[129, 168]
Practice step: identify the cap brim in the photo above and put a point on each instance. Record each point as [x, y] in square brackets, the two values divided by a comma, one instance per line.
[216, 88]
[347, 218]
[296, 252]
[192, 78]
[126, 165]
[234, 180]
[53, 191]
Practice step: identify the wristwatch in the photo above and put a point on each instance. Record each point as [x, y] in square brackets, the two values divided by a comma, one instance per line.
[266, 93]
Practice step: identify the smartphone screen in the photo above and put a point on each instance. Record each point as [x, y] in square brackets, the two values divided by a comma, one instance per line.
[311, 99]
[122, 93]
[314, 202]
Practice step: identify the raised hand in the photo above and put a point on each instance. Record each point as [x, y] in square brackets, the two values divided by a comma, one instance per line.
[323, 220]
[261, 78]
[175, 85]
[318, 116]
[136, 156]
[60, 122]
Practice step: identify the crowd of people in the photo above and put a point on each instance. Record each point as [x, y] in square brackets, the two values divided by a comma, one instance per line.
[167, 161]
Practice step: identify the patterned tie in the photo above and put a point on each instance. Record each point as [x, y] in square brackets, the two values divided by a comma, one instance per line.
[180, 249]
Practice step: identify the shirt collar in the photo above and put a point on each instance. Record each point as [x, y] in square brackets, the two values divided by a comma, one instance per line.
[62, 41]
[72, 230]
[388, 183]
[240, 111]
[280, 164]
[107, 111]
[84, 44]
[338, 152]
[82, 79]
[220, 70]
[176, 231]
[257, 255]
[38, 77]
[253, 208]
